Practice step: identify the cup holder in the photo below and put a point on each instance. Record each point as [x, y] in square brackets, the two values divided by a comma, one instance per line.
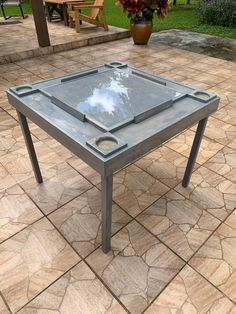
[203, 96]
[23, 90]
[116, 64]
[106, 144]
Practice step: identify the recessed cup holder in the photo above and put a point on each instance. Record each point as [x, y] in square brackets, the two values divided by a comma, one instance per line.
[23, 90]
[203, 95]
[116, 64]
[106, 144]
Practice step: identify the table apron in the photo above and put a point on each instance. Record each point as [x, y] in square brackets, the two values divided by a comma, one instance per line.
[106, 168]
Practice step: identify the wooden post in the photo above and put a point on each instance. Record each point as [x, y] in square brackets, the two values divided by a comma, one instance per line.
[40, 23]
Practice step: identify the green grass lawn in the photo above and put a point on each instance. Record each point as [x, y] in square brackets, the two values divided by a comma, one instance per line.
[182, 16]
[14, 10]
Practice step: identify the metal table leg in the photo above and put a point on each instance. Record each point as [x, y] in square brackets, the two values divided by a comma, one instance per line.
[30, 146]
[107, 183]
[194, 151]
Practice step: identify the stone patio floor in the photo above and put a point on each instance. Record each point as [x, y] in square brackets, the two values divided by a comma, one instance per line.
[19, 41]
[173, 248]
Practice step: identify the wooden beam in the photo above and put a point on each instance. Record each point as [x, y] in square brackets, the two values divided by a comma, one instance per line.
[40, 23]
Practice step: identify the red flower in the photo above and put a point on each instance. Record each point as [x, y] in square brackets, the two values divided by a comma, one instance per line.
[144, 9]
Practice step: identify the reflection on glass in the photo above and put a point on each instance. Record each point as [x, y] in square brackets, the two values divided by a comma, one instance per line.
[107, 97]
[112, 98]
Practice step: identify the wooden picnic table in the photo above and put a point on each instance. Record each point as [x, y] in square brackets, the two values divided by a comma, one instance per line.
[60, 7]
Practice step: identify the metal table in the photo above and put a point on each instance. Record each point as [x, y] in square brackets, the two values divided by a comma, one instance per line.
[109, 116]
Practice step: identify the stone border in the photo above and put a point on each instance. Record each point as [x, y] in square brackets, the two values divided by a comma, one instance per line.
[39, 51]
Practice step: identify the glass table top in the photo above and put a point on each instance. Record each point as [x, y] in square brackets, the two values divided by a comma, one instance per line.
[113, 98]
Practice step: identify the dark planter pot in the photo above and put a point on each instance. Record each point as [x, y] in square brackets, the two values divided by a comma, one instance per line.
[141, 32]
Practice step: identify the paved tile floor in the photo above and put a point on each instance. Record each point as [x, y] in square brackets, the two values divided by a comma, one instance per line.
[19, 41]
[173, 249]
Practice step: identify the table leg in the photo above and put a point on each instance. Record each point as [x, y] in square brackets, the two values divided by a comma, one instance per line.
[194, 151]
[30, 146]
[107, 183]
[65, 15]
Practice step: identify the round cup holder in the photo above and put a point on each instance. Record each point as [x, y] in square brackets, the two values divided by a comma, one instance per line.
[23, 89]
[106, 143]
[202, 95]
[116, 64]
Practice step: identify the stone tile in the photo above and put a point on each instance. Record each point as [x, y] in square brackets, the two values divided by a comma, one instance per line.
[32, 260]
[191, 294]
[17, 211]
[38, 132]
[3, 307]
[3, 99]
[186, 71]
[77, 292]
[4, 104]
[6, 121]
[61, 184]
[6, 180]
[231, 220]
[211, 192]
[224, 101]
[165, 165]
[4, 84]
[80, 221]
[224, 163]
[89, 173]
[208, 78]
[179, 223]
[220, 131]
[228, 85]
[173, 76]
[54, 72]
[216, 260]
[11, 140]
[63, 153]
[197, 84]
[232, 144]
[227, 114]
[17, 163]
[183, 143]
[222, 72]
[134, 190]
[137, 268]
[226, 96]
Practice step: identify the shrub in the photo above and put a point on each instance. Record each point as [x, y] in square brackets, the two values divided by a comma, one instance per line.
[217, 12]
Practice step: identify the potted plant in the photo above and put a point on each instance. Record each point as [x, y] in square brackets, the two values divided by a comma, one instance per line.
[141, 13]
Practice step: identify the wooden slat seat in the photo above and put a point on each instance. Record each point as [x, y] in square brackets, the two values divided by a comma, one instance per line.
[96, 12]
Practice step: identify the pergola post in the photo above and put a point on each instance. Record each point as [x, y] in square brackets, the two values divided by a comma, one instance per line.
[40, 23]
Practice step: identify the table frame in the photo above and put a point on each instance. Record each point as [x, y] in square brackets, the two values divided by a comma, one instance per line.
[107, 179]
